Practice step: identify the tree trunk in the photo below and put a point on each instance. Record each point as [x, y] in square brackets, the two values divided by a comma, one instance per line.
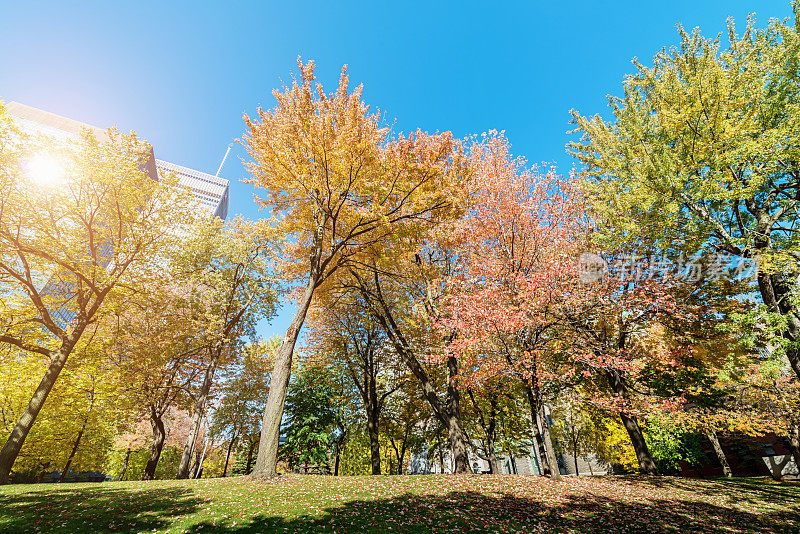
[555, 473]
[492, 459]
[711, 434]
[488, 430]
[228, 456]
[13, 445]
[248, 468]
[646, 464]
[575, 455]
[402, 457]
[125, 464]
[72, 453]
[370, 397]
[196, 467]
[537, 437]
[491, 447]
[776, 293]
[267, 460]
[159, 434]
[794, 442]
[447, 413]
[199, 408]
[458, 446]
[458, 441]
[549, 468]
[440, 449]
[400, 453]
[374, 446]
[338, 456]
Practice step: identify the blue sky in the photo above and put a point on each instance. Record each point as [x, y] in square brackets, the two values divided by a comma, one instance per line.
[182, 73]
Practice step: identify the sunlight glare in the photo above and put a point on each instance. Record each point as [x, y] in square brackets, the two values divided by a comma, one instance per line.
[45, 171]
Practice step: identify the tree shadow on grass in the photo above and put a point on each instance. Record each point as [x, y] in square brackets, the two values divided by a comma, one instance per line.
[732, 490]
[95, 509]
[474, 512]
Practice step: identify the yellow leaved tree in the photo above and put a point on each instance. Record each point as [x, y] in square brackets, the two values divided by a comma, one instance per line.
[337, 185]
[81, 223]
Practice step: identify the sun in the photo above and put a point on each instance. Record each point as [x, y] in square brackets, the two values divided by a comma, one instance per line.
[45, 171]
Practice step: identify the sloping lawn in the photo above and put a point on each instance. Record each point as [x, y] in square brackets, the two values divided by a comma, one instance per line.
[432, 503]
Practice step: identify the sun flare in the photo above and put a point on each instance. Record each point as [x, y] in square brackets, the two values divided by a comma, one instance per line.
[45, 170]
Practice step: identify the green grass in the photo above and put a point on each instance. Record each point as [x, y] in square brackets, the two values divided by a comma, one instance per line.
[432, 503]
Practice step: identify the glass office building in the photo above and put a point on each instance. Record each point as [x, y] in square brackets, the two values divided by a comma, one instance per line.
[210, 192]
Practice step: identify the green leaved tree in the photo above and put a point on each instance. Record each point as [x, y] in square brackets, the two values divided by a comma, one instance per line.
[703, 154]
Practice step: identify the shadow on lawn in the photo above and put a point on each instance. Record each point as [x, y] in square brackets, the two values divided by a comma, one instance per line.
[95, 509]
[732, 490]
[476, 512]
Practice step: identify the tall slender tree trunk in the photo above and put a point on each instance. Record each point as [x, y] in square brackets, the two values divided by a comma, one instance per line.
[399, 453]
[207, 443]
[267, 460]
[488, 430]
[372, 408]
[555, 473]
[159, 435]
[199, 409]
[447, 412]
[546, 454]
[248, 468]
[196, 467]
[540, 449]
[402, 457]
[723, 461]
[440, 449]
[125, 464]
[10, 451]
[339, 443]
[646, 464]
[575, 455]
[228, 455]
[75, 446]
[374, 443]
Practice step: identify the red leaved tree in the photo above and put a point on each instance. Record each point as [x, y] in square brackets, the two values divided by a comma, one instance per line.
[517, 245]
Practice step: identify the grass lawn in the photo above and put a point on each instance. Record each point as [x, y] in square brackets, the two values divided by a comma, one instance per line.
[427, 503]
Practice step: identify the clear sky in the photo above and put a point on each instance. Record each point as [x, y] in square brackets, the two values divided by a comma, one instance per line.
[182, 73]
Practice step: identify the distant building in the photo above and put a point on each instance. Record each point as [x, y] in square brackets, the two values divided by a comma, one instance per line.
[748, 456]
[525, 462]
[210, 192]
